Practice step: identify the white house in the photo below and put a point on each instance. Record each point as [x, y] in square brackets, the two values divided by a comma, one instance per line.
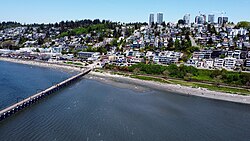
[5, 51]
[192, 62]
[218, 62]
[90, 56]
[247, 63]
[230, 63]
[56, 50]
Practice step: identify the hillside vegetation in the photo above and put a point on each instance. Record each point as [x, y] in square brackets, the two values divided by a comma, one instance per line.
[188, 73]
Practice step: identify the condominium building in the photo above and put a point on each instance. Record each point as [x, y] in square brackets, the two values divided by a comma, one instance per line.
[199, 19]
[211, 19]
[186, 19]
[159, 18]
[225, 19]
[151, 19]
[220, 20]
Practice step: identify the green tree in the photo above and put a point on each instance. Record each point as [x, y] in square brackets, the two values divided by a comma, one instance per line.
[114, 43]
[244, 24]
[102, 50]
[177, 44]
[40, 41]
[210, 42]
[37, 50]
[170, 44]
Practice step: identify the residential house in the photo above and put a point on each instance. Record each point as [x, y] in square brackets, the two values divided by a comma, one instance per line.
[218, 62]
[229, 63]
[247, 63]
[237, 54]
[192, 62]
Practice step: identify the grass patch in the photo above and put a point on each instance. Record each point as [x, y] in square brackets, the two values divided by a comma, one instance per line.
[98, 70]
[212, 87]
[73, 63]
[119, 73]
[203, 78]
[148, 78]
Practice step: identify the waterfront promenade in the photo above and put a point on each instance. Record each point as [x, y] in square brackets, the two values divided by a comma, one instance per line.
[11, 110]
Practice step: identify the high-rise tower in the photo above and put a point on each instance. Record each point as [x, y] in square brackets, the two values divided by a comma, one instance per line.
[211, 18]
[186, 19]
[159, 18]
[151, 19]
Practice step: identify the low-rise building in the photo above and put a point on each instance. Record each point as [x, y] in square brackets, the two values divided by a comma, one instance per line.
[209, 63]
[237, 54]
[218, 62]
[89, 56]
[5, 51]
[247, 63]
[230, 63]
[192, 62]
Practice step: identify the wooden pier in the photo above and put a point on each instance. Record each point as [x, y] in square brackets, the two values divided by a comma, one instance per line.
[11, 110]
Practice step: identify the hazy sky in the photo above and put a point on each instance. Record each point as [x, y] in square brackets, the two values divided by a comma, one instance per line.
[45, 11]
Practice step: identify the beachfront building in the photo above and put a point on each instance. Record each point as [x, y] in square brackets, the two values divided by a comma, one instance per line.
[192, 62]
[204, 54]
[89, 56]
[167, 57]
[230, 63]
[5, 51]
[56, 49]
[247, 63]
[218, 63]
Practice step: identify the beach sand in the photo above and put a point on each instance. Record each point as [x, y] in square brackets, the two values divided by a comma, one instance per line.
[201, 92]
[41, 64]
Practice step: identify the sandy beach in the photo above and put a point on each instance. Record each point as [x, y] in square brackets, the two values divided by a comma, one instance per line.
[140, 85]
[41, 64]
[201, 92]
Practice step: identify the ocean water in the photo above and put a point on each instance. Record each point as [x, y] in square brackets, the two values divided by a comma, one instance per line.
[18, 81]
[91, 110]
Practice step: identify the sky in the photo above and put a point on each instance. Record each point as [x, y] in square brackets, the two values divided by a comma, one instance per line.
[51, 11]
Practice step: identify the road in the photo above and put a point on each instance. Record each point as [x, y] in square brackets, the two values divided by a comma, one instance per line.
[193, 41]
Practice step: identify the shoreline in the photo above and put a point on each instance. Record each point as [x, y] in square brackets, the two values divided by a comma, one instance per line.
[41, 64]
[200, 92]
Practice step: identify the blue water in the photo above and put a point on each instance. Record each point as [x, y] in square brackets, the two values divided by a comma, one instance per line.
[91, 110]
[19, 81]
